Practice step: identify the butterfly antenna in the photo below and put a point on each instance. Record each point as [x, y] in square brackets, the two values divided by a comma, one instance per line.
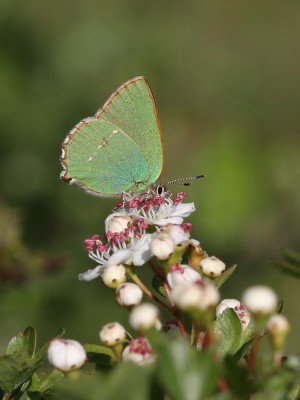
[179, 180]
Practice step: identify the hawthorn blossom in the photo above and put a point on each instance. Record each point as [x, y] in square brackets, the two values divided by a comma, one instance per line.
[126, 247]
[156, 210]
[180, 274]
[139, 352]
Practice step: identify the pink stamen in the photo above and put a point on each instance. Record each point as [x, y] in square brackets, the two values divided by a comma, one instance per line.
[133, 204]
[159, 200]
[186, 226]
[139, 346]
[177, 268]
[89, 243]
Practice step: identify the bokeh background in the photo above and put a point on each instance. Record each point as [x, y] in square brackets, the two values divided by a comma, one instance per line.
[226, 76]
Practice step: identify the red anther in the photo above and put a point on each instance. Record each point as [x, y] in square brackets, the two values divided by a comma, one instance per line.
[133, 204]
[186, 226]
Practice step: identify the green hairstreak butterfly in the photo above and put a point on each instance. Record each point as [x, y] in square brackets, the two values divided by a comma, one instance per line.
[120, 149]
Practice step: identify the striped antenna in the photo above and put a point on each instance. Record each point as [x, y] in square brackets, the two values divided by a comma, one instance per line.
[179, 180]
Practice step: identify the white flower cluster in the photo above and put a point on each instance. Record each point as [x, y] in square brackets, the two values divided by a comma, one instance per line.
[128, 241]
[151, 230]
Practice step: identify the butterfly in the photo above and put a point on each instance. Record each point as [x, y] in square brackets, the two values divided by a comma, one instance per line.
[120, 149]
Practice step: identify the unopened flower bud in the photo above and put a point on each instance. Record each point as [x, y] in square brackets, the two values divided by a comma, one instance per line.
[117, 223]
[162, 247]
[212, 266]
[238, 307]
[181, 274]
[112, 334]
[144, 317]
[171, 329]
[201, 295]
[139, 352]
[113, 276]
[66, 354]
[260, 300]
[176, 233]
[278, 328]
[129, 294]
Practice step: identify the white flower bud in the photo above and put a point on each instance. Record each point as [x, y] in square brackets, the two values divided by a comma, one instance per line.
[200, 295]
[260, 300]
[112, 334]
[278, 328]
[113, 276]
[66, 354]
[182, 274]
[144, 316]
[117, 222]
[162, 247]
[238, 307]
[139, 352]
[129, 294]
[171, 329]
[176, 233]
[226, 303]
[212, 266]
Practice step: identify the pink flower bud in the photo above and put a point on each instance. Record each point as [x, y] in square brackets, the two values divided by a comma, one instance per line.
[66, 354]
[129, 294]
[112, 334]
[113, 276]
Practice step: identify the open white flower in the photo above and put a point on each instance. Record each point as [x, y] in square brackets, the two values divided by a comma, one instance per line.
[139, 352]
[156, 209]
[167, 213]
[122, 249]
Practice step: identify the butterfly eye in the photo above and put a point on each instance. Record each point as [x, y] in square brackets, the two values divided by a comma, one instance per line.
[160, 190]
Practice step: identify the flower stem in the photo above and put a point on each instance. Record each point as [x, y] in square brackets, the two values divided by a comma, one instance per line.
[147, 291]
[175, 312]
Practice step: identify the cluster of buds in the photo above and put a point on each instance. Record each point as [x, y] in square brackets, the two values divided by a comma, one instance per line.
[150, 232]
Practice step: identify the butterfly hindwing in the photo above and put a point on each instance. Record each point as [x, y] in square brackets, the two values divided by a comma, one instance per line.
[120, 149]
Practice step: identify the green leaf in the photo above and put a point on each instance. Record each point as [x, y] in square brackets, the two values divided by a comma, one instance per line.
[15, 369]
[100, 355]
[127, 382]
[20, 361]
[30, 338]
[223, 278]
[184, 372]
[42, 382]
[229, 331]
[276, 386]
[238, 378]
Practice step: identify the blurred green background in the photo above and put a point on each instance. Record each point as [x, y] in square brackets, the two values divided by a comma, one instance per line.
[226, 76]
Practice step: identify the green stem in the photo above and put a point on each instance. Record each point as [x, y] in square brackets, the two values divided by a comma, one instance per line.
[175, 312]
[147, 291]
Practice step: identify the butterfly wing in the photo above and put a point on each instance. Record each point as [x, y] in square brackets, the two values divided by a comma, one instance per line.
[120, 148]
